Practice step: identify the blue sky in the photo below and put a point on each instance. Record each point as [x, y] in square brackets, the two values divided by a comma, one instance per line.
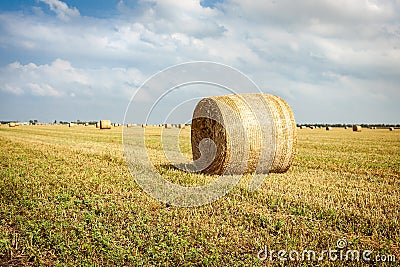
[332, 61]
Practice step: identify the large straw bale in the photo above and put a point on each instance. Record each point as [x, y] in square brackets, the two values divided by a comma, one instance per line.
[105, 124]
[356, 128]
[247, 133]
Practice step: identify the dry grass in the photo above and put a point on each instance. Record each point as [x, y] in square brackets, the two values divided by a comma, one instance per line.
[67, 198]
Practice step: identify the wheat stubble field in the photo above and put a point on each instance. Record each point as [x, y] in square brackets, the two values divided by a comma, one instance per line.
[67, 198]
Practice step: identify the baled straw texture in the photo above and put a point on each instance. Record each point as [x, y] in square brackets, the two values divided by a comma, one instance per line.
[105, 124]
[356, 128]
[263, 125]
[391, 129]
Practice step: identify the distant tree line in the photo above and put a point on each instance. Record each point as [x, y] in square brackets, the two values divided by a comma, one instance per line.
[79, 122]
[364, 125]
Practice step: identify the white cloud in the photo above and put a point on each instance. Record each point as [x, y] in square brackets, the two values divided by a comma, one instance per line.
[60, 79]
[61, 9]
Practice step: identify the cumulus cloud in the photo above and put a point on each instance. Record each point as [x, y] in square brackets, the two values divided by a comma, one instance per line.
[61, 79]
[62, 10]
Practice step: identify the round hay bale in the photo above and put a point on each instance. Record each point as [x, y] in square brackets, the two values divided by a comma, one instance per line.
[105, 124]
[356, 128]
[144, 125]
[97, 124]
[181, 126]
[12, 124]
[328, 128]
[71, 124]
[86, 124]
[167, 126]
[391, 129]
[303, 127]
[224, 127]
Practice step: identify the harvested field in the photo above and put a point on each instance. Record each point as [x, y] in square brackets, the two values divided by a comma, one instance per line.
[67, 198]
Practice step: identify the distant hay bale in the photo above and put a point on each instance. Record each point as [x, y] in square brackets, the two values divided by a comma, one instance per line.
[86, 124]
[345, 127]
[356, 128]
[303, 127]
[144, 125]
[261, 124]
[105, 124]
[97, 124]
[71, 124]
[181, 126]
[167, 126]
[391, 129]
[12, 124]
[328, 128]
